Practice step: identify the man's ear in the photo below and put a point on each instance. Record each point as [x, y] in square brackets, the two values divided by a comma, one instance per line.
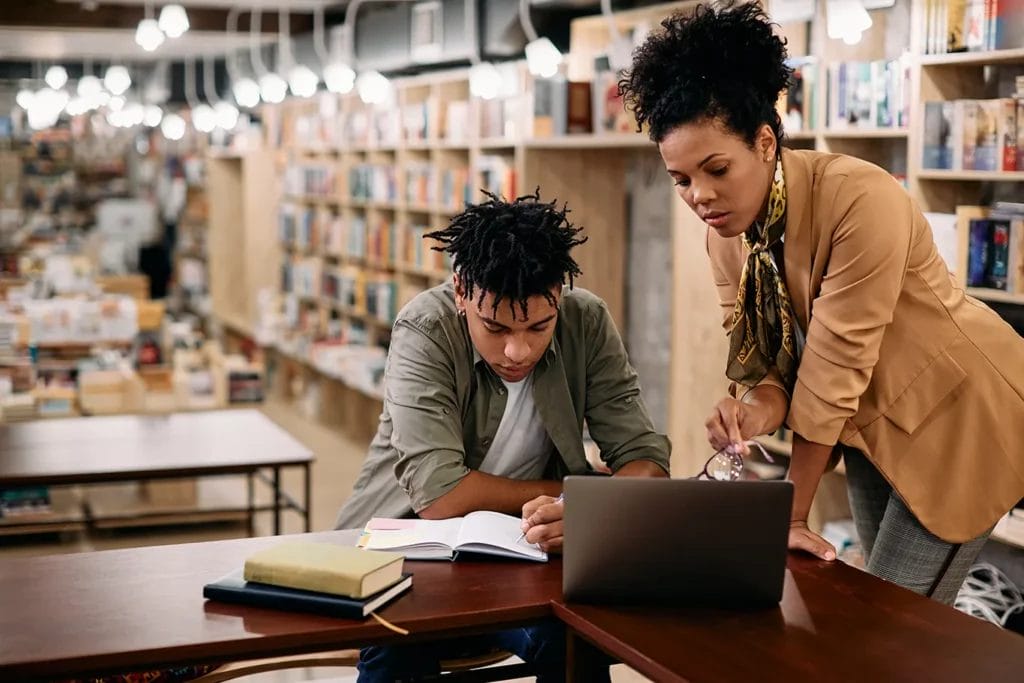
[460, 295]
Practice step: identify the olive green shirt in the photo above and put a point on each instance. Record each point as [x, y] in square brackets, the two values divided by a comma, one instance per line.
[443, 404]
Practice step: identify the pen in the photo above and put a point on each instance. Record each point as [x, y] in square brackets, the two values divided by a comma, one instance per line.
[560, 499]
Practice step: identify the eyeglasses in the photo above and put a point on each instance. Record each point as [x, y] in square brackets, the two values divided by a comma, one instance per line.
[726, 466]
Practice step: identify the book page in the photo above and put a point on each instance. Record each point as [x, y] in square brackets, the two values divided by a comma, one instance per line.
[488, 532]
[399, 534]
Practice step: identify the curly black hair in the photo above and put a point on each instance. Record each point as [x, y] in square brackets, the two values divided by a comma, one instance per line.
[514, 250]
[722, 63]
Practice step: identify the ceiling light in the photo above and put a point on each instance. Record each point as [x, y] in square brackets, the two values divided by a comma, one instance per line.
[227, 115]
[56, 77]
[173, 127]
[134, 114]
[273, 88]
[116, 103]
[204, 118]
[89, 86]
[154, 114]
[117, 80]
[45, 109]
[246, 92]
[542, 58]
[846, 19]
[173, 20]
[339, 77]
[24, 98]
[77, 106]
[484, 80]
[302, 81]
[148, 35]
[373, 87]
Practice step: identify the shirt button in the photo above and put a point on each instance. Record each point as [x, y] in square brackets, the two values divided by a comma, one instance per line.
[501, 392]
[485, 442]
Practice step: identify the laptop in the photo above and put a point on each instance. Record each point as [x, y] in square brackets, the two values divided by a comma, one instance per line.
[679, 542]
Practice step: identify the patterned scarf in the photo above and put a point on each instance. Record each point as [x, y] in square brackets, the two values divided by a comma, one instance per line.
[763, 324]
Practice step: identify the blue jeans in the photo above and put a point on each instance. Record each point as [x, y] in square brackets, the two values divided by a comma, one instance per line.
[542, 646]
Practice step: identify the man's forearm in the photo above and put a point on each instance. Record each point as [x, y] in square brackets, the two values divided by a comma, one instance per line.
[807, 464]
[641, 468]
[480, 491]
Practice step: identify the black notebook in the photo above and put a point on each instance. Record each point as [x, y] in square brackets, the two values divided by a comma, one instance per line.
[233, 588]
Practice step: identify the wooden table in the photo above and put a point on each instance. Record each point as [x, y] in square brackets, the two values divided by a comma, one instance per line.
[141, 447]
[121, 610]
[835, 623]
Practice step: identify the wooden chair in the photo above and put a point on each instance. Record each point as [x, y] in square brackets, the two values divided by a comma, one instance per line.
[463, 670]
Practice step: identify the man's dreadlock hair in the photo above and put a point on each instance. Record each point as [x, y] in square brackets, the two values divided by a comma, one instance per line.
[514, 250]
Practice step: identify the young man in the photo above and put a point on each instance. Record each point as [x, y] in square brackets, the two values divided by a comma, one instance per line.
[488, 383]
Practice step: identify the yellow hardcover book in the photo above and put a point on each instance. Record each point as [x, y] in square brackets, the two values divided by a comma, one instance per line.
[325, 567]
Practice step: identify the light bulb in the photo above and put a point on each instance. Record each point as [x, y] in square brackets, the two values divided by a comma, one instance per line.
[484, 80]
[173, 20]
[227, 115]
[542, 58]
[273, 88]
[302, 81]
[45, 109]
[117, 80]
[153, 115]
[77, 106]
[148, 35]
[89, 86]
[204, 118]
[56, 77]
[134, 114]
[24, 98]
[246, 92]
[373, 87]
[339, 77]
[173, 127]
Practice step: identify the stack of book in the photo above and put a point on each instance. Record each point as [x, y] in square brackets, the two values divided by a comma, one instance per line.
[323, 578]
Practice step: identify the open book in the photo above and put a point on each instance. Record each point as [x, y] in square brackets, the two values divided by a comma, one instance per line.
[490, 533]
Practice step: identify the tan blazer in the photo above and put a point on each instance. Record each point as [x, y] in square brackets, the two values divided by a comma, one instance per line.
[898, 362]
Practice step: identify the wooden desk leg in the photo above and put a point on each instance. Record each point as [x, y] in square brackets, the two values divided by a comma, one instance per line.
[277, 501]
[251, 519]
[309, 500]
[583, 661]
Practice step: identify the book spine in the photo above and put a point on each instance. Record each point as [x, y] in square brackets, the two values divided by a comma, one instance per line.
[978, 251]
[304, 603]
[999, 255]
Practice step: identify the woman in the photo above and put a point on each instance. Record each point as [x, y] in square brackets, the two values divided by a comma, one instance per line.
[844, 322]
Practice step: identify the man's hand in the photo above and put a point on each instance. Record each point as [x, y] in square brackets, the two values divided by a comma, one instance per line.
[802, 538]
[542, 523]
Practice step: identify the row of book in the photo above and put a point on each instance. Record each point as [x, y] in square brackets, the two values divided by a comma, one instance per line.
[995, 246]
[24, 501]
[973, 25]
[497, 175]
[420, 183]
[873, 94]
[977, 135]
[301, 276]
[362, 292]
[373, 182]
[796, 104]
[317, 180]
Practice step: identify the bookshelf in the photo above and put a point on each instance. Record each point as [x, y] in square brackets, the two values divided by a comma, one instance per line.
[440, 126]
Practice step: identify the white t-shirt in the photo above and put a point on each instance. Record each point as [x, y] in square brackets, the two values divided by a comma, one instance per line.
[521, 445]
